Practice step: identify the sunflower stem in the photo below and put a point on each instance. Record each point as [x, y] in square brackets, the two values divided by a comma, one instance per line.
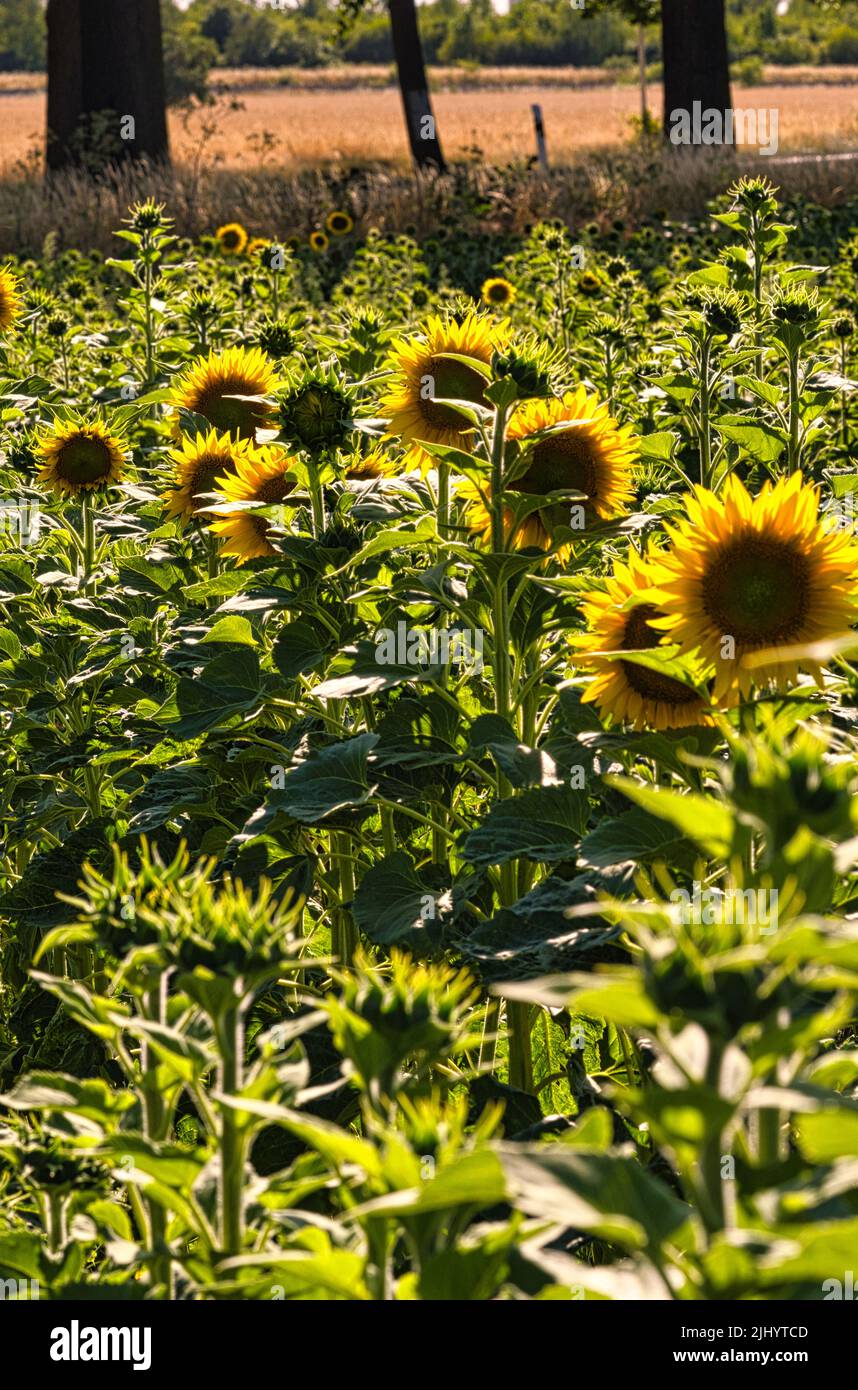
[705, 403]
[88, 536]
[518, 1015]
[317, 500]
[794, 412]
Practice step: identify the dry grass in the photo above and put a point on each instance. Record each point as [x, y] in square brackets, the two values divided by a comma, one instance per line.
[629, 183]
[305, 128]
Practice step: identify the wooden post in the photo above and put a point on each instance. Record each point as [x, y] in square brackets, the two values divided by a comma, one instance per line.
[106, 56]
[539, 128]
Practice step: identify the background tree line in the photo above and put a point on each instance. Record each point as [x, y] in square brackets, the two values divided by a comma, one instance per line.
[237, 33]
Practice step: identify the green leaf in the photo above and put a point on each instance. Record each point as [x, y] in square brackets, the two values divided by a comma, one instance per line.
[544, 823]
[301, 648]
[329, 780]
[393, 904]
[709, 823]
[232, 628]
[763, 442]
[637, 835]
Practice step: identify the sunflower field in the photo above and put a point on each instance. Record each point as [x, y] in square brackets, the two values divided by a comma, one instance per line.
[429, 859]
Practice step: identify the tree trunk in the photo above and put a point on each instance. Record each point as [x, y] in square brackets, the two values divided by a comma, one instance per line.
[408, 52]
[694, 49]
[105, 81]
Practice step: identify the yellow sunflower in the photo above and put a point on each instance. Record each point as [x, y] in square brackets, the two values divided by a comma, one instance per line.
[751, 575]
[232, 239]
[264, 475]
[79, 456]
[497, 291]
[210, 384]
[257, 245]
[199, 464]
[594, 456]
[375, 464]
[11, 304]
[623, 690]
[427, 371]
[318, 241]
[339, 223]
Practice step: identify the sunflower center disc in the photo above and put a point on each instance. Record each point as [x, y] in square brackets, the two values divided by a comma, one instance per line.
[563, 461]
[637, 636]
[231, 416]
[83, 461]
[273, 490]
[757, 591]
[458, 382]
[206, 473]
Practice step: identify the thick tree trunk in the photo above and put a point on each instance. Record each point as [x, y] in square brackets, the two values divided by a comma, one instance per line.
[696, 64]
[105, 81]
[408, 52]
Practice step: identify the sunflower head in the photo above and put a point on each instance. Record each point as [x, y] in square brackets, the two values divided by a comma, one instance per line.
[316, 415]
[148, 217]
[277, 337]
[591, 454]
[750, 582]
[428, 369]
[212, 385]
[264, 476]
[231, 238]
[11, 304]
[78, 456]
[626, 691]
[339, 223]
[589, 284]
[318, 241]
[199, 465]
[497, 292]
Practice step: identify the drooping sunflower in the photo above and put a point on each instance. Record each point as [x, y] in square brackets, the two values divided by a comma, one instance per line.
[79, 456]
[427, 371]
[751, 575]
[263, 475]
[210, 384]
[339, 223]
[594, 456]
[11, 304]
[625, 691]
[497, 291]
[200, 463]
[231, 238]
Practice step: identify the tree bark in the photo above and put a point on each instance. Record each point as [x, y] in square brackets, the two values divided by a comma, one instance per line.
[696, 63]
[105, 56]
[411, 71]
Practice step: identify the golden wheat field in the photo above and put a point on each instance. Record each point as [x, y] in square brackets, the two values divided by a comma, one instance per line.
[311, 127]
